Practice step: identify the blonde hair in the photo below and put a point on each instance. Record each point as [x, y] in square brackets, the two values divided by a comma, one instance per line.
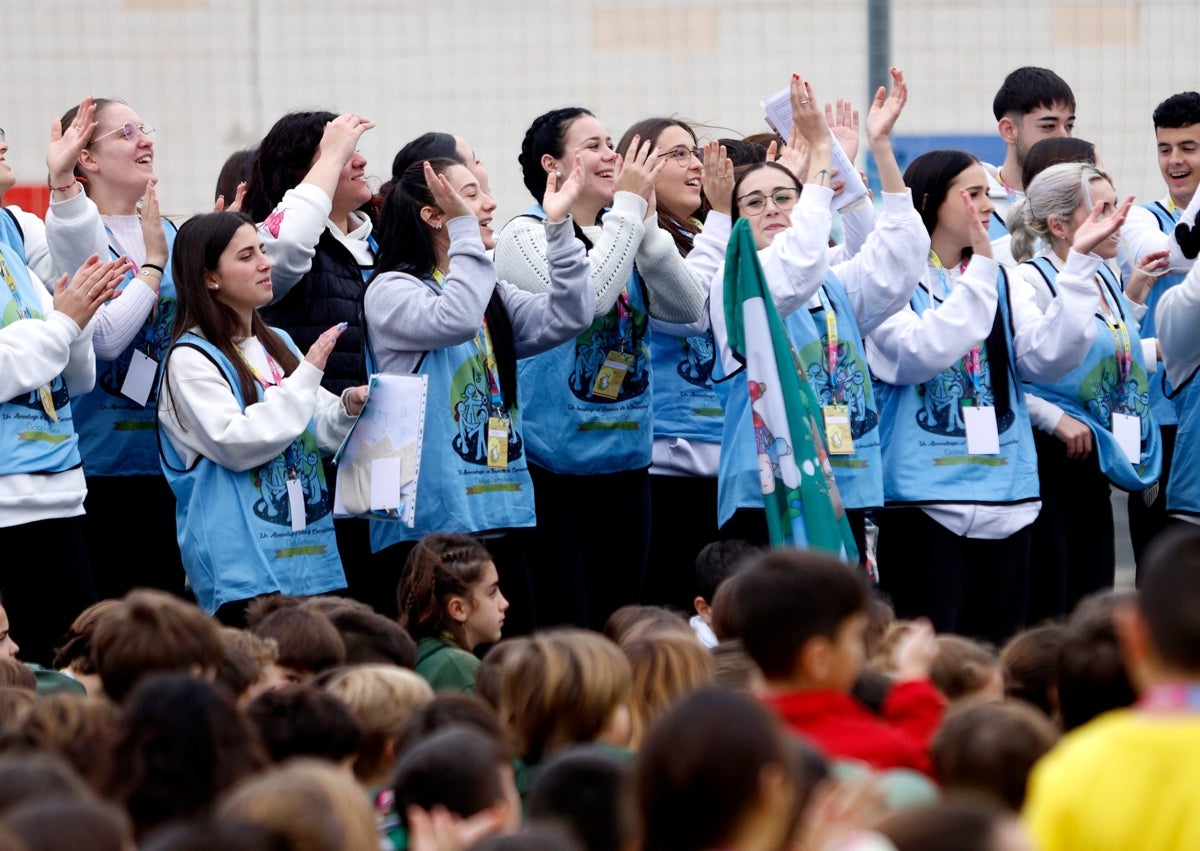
[381, 698]
[308, 802]
[664, 668]
[1056, 192]
[560, 687]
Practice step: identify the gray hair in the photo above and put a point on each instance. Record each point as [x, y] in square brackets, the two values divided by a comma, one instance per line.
[1055, 192]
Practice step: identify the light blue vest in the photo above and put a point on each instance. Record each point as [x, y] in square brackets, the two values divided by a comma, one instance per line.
[925, 460]
[1183, 486]
[117, 436]
[456, 489]
[31, 442]
[859, 476]
[685, 403]
[1162, 405]
[1092, 393]
[234, 529]
[570, 429]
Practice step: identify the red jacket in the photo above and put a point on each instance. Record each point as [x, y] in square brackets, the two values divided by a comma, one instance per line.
[842, 727]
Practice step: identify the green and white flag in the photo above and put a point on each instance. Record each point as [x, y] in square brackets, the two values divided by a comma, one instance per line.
[804, 509]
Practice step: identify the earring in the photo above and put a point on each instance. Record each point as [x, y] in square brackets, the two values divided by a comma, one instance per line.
[558, 175]
[215, 287]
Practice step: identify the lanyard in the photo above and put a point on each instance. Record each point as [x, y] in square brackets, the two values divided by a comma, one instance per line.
[831, 347]
[291, 455]
[1008, 190]
[971, 360]
[1123, 353]
[44, 394]
[487, 353]
[623, 314]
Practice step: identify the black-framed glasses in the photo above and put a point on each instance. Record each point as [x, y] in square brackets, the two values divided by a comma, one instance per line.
[130, 131]
[682, 155]
[754, 203]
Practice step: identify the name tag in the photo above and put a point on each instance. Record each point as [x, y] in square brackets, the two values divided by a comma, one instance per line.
[1127, 429]
[296, 507]
[837, 430]
[139, 379]
[983, 437]
[612, 375]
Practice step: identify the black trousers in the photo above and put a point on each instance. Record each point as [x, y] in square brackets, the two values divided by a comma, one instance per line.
[1146, 521]
[137, 509]
[588, 555]
[968, 586]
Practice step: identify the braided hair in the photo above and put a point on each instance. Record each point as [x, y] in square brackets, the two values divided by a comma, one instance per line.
[545, 136]
[440, 566]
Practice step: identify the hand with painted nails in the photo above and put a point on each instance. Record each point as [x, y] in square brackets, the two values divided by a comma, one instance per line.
[318, 353]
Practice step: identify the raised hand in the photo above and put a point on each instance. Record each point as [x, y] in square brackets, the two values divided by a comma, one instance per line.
[807, 119]
[981, 243]
[559, 199]
[794, 154]
[67, 143]
[94, 283]
[639, 168]
[1148, 270]
[446, 196]
[717, 177]
[844, 126]
[886, 108]
[236, 206]
[318, 353]
[152, 231]
[341, 136]
[1099, 227]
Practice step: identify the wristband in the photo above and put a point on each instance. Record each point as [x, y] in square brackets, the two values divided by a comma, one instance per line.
[70, 185]
[160, 269]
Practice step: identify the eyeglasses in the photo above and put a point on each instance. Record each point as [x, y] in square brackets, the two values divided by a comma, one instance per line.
[682, 155]
[755, 202]
[130, 131]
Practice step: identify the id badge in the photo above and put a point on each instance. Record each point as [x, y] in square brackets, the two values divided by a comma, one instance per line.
[139, 378]
[983, 437]
[612, 375]
[497, 443]
[1127, 429]
[296, 508]
[837, 430]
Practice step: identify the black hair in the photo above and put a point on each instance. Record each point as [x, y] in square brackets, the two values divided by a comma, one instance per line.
[407, 246]
[457, 768]
[427, 146]
[303, 720]
[743, 152]
[1055, 150]
[545, 136]
[1028, 88]
[373, 638]
[284, 156]
[787, 597]
[1091, 676]
[749, 170]
[448, 709]
[235, 170]
[589, 792]
[719, 560]
[1179, 110]
[1169, 597]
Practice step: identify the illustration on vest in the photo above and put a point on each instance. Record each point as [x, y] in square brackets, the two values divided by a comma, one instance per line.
[153, 340]
[941, 409]
[1102, 393]
[698, 353]
[621, 331]
[271, 480]
[58, 387]
[767, 446]
[471, 409]
[849, 387]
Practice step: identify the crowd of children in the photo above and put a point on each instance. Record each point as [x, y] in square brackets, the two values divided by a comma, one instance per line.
[209, 655]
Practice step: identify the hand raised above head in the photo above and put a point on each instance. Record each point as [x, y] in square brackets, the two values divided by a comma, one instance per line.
[844, 126]
[67, 143]
[447, 198]
[560, 195]
[886, 107]
[639, 168]
[718, 177]
[341, 136]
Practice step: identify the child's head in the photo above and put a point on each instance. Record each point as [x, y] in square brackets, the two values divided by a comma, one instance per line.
[445, 710]
[664, 668]
[58, 822]
[715, 563]
[372, 638]
[245, 670]
[82, 730]
[1030, 663]
[15, 674]
[955, 824]
[460, 769]
[307, 644]
[1091, 675]
[381, 698]
[450, 587]
[989, 748]
[1160, 631]
[487, 675]
[75, 652]
[638, 621]
[734, 669]
[152, 632]
[715, 766]
[589, 792]
[966, 669]
[562, 687]
[303, 720]
[802, 618]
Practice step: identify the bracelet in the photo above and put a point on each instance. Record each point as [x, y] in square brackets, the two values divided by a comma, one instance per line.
[70, 185]
[160, 269]
[140, 271]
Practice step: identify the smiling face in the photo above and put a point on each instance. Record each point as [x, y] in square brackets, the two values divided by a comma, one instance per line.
[770, 186]
[463, 181]
[242, 279]
[112, 162]
[953, 224]
[1179, 160]
[587, 136]
[678, 185]
[467, 155]
[352, 189]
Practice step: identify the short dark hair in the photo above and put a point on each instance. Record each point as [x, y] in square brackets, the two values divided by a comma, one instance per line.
[457, 768]
[57, 822]
[589, 792]
[1028, 88]
[446, 710]
[1179, 110]
[719, 560]
[303, 720]
[546, 135]
[307, 640]
[787, 597]
[1169, 597]
[1055, 150]
[1091, 676]
[1030, 663]
[961, 823]
[372, 638]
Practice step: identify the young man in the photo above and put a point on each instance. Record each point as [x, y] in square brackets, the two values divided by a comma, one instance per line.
[1032, 104]
[1148, 229]
[1127, 779]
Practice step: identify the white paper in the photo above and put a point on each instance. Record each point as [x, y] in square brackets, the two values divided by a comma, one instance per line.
[983, 438]
[296, 507]
[385, 484]
[139, 378]
[1127, 430]
[777, 109]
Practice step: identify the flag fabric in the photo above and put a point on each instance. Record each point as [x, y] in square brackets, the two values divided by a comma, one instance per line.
[801, 499]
